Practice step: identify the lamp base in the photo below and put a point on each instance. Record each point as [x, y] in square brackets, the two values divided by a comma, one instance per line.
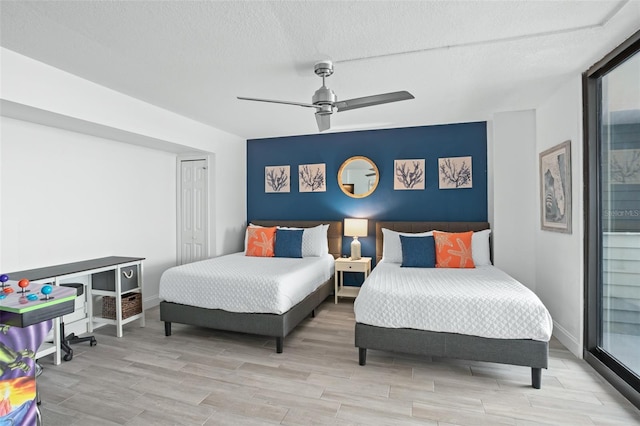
[355, 249]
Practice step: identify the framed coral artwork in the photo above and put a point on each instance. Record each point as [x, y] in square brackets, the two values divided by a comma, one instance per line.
[455, 173]
[277, 179]
[408, 174]
[312, 178]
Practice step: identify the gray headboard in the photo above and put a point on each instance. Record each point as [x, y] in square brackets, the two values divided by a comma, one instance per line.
[334, 233]
[423, 227]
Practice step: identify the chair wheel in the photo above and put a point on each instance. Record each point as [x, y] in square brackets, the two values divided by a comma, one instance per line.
[68, 357]
[93, 342]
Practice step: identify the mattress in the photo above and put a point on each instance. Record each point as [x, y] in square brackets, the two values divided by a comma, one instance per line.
[239, 283]
[483, 301]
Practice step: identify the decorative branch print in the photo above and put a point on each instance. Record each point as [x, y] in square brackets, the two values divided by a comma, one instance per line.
[455, 172]
[276, 179]
[312, 178]
[409, 174]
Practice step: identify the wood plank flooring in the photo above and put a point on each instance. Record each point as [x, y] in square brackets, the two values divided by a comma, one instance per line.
[206, 377]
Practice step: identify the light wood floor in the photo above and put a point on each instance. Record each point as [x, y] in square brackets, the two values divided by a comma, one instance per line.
[205, 377]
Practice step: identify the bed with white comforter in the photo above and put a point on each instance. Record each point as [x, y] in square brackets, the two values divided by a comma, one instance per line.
[479, 313]
[484, 302]
[239, 283]
[265, 296]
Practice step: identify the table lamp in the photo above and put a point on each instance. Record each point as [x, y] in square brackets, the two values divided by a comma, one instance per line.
[355, 228]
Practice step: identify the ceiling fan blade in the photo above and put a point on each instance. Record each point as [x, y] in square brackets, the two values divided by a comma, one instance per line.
[372, 100]
[278, 102]
[324, 121]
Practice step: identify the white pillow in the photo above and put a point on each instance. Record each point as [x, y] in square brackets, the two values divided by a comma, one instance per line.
[246, 234]
[480, 250]
[314, 240]
[391, 246]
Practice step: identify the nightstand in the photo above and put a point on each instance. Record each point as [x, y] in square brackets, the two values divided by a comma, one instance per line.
[345, 264]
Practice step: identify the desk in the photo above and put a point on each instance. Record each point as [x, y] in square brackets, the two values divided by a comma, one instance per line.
[57, 273]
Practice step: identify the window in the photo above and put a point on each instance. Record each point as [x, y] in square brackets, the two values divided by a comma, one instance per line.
[612, 217]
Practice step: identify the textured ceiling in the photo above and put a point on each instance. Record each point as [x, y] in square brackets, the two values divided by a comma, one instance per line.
[462, 60]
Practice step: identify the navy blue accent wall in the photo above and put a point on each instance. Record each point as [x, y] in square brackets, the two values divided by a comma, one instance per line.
[383, 147]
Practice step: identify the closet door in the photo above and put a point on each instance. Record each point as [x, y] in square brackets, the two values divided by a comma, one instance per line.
[192, 211]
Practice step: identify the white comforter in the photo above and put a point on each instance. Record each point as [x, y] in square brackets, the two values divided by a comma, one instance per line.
[239, 283]
[484, 302]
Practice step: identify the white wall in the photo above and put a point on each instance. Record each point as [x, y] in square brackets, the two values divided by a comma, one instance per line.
[39, 150]
[513, 172]
[560, 257]
[68, 197]
[549, 263]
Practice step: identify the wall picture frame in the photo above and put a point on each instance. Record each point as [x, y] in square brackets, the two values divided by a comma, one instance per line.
[277, 179]
[555, 188]
[409, 174]
[312, 178]
[455, 172]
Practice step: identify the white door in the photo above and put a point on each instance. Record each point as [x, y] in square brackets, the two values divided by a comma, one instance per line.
[192, 214]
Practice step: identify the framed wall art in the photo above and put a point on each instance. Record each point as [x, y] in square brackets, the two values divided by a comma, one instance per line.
[277, 179]
[555, 188]
[455, 173]
[409, 174]
[312, 178]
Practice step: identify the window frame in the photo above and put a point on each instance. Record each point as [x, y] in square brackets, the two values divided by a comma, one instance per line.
[617, 374]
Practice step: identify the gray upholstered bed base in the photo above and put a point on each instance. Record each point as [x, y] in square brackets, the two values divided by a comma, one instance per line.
[529, 353]
[272, 325]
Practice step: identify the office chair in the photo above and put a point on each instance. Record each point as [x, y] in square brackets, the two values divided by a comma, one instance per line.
[67, 341]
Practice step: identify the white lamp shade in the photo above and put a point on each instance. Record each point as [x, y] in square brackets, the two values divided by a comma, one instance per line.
[355, 227]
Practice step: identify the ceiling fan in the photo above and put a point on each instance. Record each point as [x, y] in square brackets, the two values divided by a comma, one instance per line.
[326, 102]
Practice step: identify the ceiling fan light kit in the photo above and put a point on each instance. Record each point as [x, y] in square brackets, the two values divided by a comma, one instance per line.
[326, 102]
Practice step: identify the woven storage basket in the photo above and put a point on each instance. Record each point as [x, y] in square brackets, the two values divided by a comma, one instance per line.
[131, 305]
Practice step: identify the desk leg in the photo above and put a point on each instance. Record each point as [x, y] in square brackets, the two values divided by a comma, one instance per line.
[118, 296]
[140, 282]
[57, 337]
[89, 300]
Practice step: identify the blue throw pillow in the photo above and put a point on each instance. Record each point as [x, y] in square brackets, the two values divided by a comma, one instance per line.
[288, 243]
[418, 252]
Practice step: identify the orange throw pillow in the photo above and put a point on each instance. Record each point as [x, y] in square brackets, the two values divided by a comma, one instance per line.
[453, 250]
[260, 241]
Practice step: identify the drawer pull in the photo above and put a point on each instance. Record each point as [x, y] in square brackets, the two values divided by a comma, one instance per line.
[128, 276]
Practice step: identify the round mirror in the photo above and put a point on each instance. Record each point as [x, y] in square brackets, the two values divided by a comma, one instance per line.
[358, 177]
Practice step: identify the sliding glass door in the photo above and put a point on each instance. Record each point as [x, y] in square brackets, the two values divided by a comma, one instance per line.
[620, 192]
[612, 151]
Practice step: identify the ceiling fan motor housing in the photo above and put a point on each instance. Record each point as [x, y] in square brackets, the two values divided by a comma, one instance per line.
[324, 98]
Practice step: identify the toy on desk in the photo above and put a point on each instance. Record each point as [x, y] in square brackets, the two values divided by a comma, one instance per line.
[46, 290]
[5, 292]
[3, 280]
[23, 284]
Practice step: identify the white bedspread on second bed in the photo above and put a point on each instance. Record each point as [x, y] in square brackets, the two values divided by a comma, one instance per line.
[484, 302]
[239, 283]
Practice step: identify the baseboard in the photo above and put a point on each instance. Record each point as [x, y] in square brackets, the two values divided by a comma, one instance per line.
[569, 341]
[150, 302]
